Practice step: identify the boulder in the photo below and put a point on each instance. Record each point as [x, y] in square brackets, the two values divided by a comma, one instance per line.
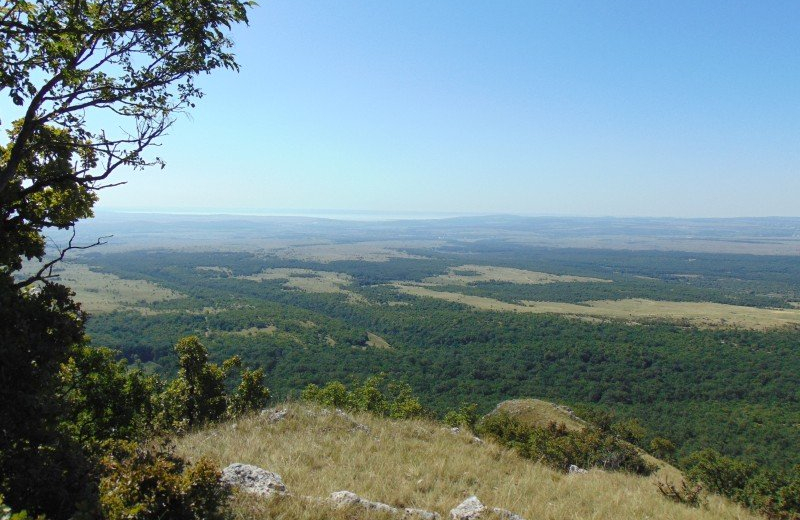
[573, 469]
[473, 509]
[469, 509]
[253, 479]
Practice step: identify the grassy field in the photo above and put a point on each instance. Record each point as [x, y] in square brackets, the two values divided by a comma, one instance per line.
[310, 281]
[465, 274]
[101, 293]
[422, 464]
[702, 314]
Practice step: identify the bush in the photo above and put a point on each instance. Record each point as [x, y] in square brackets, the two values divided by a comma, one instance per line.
[559, 447]
[466, 416]
[151, 483]
[686, 494]
[375, 395]
[251, 394]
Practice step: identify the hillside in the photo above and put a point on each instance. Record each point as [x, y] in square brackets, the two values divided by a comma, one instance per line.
[421, 464]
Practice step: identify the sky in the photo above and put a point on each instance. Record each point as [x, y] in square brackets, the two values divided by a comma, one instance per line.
[680, 108]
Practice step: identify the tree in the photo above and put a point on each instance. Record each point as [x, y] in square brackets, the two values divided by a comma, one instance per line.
[66, 63]
[96, 83]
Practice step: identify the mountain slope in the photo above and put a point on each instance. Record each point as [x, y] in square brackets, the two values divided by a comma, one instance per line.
[422, 464]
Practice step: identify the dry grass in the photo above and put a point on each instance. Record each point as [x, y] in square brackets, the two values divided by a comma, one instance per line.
[102, 293]
[465, 274]
[311, 281]
[703, 314]
[422, 464]
[377, 341]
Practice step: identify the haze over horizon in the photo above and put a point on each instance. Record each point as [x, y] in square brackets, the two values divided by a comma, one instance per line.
[580, 109]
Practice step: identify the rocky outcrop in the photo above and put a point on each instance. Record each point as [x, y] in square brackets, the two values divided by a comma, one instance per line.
[253, 479]
[473, 509]
[349, 499]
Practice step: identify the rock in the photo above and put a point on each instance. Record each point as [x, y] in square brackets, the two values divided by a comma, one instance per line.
[473, 509]
[253, 479]
[455, 430]
[348, 499]
[573, 469]
[420, 514]
[477, 440]
[275, 415]
[506, 514]
[469, 509]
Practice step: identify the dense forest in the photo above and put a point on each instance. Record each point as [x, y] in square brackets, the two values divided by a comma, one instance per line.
[729, 388]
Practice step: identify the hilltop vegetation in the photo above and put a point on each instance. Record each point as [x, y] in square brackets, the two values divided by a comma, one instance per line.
[419, 463]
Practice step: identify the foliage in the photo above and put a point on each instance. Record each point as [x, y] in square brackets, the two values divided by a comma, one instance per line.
[466, 416]
[106, 398]
[42, 468]
[662, 448]
[375, 395]
[130, 64]
[685, 494]
[731, 389]
[559, 447]
[776, 494]
[151, 483]
[251, 394]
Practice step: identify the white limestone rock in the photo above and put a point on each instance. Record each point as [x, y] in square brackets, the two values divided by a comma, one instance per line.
[253, 479]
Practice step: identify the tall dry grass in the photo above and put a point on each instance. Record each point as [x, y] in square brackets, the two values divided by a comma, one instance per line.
[422, 464]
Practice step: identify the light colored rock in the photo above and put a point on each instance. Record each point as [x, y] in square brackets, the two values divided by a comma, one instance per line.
[477, 440]
[473, 509]
[505, 514]
[348, 499]
[253, 479]
[420, 514]
[469, 509]
[275, 415]
[573, 469]
[455, 430]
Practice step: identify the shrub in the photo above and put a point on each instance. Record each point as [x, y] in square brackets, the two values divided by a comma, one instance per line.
[150, 483]
[559, 447]
[466, 416]
[375, 395]
[251, 394]
[686, 494]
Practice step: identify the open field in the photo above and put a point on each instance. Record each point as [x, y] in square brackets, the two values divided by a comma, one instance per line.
[101, 292]
[366, 251]
[422, 464]
[308, 280]
[465, 274]
[704, 314]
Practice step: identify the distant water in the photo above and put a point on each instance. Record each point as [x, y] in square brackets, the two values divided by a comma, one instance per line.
[358, 215]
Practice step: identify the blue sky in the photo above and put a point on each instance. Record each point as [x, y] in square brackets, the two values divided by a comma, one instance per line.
[560, 107]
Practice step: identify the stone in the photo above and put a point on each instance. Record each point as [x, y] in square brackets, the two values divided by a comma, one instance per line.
[469, 509]
[505, 514]
[573, 469]
[473, 509]
[349, 499]
[275, 415]
[420, 514]
[253, 479]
